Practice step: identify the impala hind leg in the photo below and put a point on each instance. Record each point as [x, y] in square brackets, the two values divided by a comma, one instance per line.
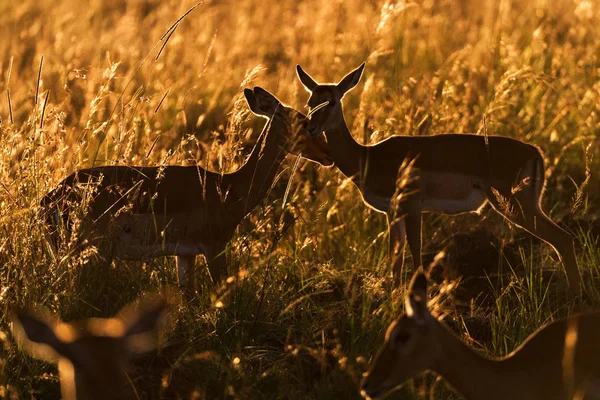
[526, 213]
[538, 224]
[186, 274]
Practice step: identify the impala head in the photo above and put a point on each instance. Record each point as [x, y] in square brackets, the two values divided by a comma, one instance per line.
[410, 344]
[92, 354]
[295, 138]
[325, 100]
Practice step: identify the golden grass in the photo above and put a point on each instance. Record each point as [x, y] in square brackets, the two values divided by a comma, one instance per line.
[311, 296]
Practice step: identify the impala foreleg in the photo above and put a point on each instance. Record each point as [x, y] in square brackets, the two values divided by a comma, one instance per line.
[217, 263]
[397, 239]
[412, 221]
[405, 225]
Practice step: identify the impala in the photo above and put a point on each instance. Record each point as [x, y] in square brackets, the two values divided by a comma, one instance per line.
[450, 174]
[92, 354]
[140, 213]
[559, 361]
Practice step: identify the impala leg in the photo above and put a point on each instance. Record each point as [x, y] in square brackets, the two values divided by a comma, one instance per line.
[412, 220]
[397, 239]
[529, 216]
[186, 275]
[539, 225]
[217, 263]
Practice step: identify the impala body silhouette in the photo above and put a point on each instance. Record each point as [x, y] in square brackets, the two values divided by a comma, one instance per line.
[449, 174]
[560, 361]
[140, 213]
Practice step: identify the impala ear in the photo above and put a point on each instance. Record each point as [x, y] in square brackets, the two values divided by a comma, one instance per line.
[416, 298]
[308, 82]
[251, 100]
[351, 80]
[261, 102]
[36, 332]
[418, 282]
[142, 330]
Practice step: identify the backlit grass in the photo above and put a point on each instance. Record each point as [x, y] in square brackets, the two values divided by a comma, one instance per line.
[92, 83]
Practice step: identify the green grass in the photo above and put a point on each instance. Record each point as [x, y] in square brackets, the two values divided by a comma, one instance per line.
[314, 297]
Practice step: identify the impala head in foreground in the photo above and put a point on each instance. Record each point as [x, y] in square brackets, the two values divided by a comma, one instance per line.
[299, 142]
[410, 346]
[325, 102]
[560, 361]
[92, 354]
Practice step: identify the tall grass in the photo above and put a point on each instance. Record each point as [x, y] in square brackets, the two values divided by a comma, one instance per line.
[90, 83]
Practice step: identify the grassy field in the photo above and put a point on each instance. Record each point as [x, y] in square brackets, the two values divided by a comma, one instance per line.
[93, 83]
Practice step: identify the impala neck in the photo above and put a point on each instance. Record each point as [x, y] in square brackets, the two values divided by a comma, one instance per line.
[254, 179]
[473, 375]
[348, 155]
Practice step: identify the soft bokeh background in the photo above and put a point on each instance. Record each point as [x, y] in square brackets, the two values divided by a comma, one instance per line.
[92, 83]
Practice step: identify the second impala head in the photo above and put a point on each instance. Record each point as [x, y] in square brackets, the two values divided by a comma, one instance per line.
[325, 100]
[93, 354]
[295, 136]
[410, 345]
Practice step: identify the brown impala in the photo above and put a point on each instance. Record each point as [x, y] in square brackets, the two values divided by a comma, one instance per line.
[139, 213]
[450, 174]
[560, 361]
[93, 354]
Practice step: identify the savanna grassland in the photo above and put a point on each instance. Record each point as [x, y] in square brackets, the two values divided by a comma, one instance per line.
[115, 82]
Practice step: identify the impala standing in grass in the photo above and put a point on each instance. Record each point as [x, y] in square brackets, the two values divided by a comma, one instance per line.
[93, 354]
[450, 174]
[560, 361]
[140, 213]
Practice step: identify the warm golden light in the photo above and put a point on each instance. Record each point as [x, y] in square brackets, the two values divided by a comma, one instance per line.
[298, 266]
